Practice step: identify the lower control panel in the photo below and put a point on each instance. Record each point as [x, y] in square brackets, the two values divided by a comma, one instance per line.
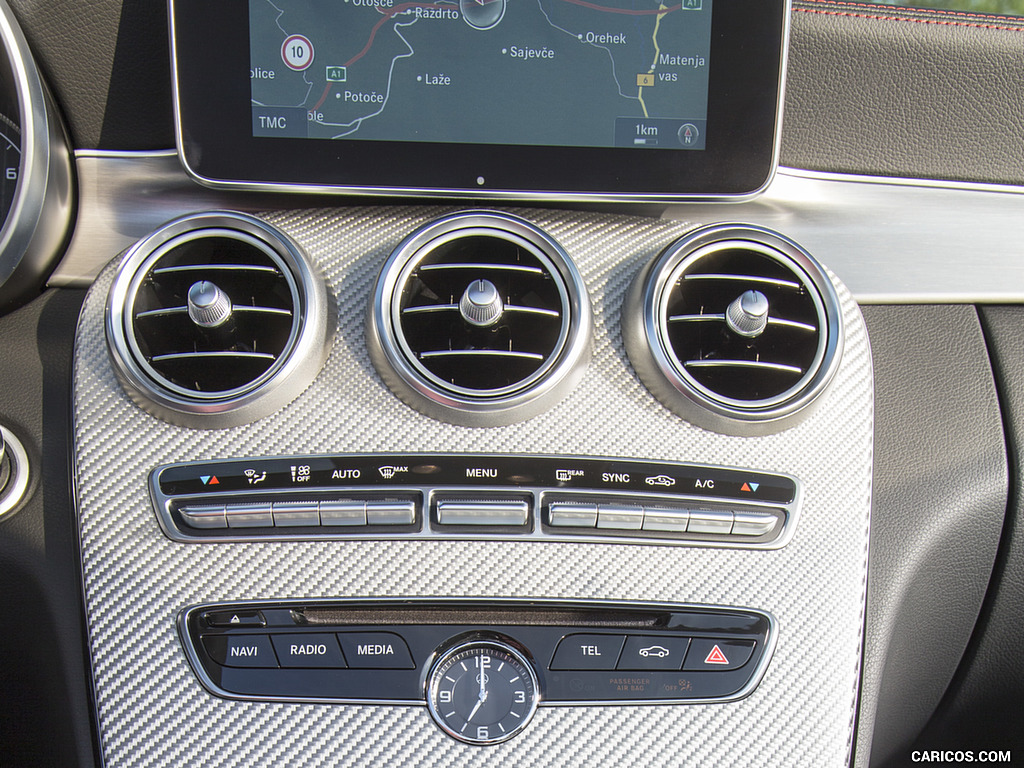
[466, 496]
[481, 668]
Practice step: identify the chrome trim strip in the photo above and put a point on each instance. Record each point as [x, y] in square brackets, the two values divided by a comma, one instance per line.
[745, 279]
[225, 267]
[719, 317]
[481, 266]
[455, 308]
[234, 308]
[181, 623]
[743, 364]
[482, 353]
[201, 355]
[950, 243]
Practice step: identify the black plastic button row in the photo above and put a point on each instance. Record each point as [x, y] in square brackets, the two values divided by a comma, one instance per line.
[583, 652]
[324, 650]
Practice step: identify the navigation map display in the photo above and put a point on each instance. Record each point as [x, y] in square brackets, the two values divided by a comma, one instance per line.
[578, 73]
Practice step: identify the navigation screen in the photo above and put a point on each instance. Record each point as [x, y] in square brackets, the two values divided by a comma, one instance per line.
[580, 73]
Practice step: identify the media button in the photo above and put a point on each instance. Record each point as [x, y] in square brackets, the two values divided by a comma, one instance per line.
[375, 650]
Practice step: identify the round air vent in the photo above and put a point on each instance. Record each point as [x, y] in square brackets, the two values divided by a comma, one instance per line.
[480, 319]
[215, 320]
[735, 328]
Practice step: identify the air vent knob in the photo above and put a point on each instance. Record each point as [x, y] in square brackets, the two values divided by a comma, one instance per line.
[480, 304]
[747, 315]
[208, 305]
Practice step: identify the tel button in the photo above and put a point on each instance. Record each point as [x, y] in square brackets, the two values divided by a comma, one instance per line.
[309, 650]
[580, 652]
[708, 654]
[375, 650]
[241, 650]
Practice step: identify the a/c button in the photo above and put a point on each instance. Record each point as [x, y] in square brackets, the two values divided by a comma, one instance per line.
[581, 652]
[375, 650]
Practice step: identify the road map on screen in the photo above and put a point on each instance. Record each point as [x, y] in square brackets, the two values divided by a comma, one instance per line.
[586, 73]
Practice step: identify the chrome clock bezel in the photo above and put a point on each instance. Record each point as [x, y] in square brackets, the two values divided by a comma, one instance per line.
[442, 664]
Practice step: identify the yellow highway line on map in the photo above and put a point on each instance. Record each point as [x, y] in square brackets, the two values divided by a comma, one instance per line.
[657, 52]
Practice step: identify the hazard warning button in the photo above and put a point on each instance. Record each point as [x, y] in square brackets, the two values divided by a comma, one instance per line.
[708, 654]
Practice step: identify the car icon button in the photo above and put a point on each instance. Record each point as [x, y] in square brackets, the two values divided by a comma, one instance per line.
[653, 652]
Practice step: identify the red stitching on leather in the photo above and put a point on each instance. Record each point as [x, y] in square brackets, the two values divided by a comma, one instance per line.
[936, 11]
[848, 14]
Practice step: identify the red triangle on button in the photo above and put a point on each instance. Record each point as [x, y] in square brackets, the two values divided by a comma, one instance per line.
[716, 657]
[214, 481]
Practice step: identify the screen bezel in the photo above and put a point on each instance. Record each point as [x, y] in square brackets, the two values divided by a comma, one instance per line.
[216, 145]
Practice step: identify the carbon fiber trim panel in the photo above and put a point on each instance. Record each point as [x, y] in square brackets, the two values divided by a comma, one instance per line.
[153, 711]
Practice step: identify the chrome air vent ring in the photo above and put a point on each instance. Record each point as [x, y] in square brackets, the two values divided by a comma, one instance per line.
[735, 328]
[480, 319]
[215, 320]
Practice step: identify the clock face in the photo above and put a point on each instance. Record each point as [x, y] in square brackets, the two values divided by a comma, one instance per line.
[482, 692]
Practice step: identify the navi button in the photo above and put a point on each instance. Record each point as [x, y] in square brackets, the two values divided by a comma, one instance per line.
[241, 650]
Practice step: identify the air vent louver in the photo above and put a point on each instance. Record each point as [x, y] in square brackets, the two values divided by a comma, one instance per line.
[735, 328]
[211, 315]
[480, 319]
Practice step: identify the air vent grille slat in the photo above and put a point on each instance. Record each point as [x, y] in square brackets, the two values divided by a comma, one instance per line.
[479, 318]
[511, 349]
[735, 328]
[222, 359]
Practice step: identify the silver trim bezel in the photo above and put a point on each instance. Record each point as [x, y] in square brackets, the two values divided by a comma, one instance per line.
[434, 682]
[426, 493]
[645, 319]
[294, 369]
[40, 214]
[17, 484]
[421, 390]
[181, 624]
[486, 194]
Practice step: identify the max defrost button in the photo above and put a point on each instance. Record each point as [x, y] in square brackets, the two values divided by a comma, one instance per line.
[580, 652]
[375, 650]
[710, 654]
[308, 650]
[241, 650]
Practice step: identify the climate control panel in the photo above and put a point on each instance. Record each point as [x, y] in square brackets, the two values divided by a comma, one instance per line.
[472, 496]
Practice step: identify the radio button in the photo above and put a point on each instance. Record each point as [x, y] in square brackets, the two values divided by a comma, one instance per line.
[309, 650]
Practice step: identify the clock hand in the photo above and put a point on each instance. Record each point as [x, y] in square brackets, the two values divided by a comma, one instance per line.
[483, 679]
[475, 708]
